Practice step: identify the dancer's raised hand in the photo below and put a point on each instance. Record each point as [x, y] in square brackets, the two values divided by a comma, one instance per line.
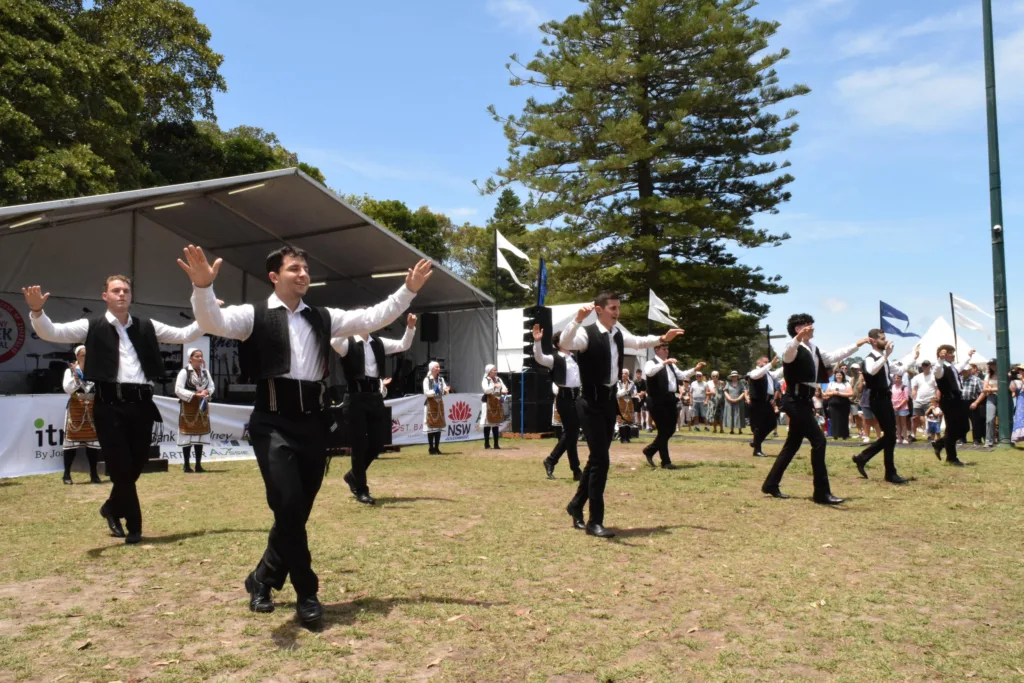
[198, 268]
[418, 275]
[35, 298]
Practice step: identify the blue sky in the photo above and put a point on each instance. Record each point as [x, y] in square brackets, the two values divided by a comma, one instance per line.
[891, 193]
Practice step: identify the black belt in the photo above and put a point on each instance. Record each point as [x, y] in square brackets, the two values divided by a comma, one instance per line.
[290, 396]
[800, 391]
[569, 392]
[369, 385]
[597, 392]
[123, 392]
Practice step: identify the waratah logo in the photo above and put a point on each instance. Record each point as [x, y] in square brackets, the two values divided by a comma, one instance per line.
[460, 412]
[396, 426]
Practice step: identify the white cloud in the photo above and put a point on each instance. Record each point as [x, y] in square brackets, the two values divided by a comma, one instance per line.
[885, 38]
[802, 15]
[515, 14]
[835, 305]
[458, 212]
[411, 172]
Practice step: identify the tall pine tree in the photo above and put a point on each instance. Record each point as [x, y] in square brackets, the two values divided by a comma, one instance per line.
[654, 146]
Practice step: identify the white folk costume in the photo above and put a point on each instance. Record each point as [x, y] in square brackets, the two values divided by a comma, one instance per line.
[624, 393]
[433, 408]
[193, 411]
[79, 424]
[492, 410]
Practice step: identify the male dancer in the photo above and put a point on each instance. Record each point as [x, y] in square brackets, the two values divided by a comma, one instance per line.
[286, 345]
[565, 373]
[362, 360]
[601, 347]
[805, 367]
[950, 387]
[124, 360]
[762, 383]
[663, 380]
[878, 380]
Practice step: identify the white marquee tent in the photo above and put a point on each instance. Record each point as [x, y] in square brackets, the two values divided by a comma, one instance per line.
[70, 246]
[941, 332]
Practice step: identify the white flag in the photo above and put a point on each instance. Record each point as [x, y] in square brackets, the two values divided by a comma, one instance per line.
[503, 263]
[505, 244]
[658, 310]
[965, 322]
[965, 305]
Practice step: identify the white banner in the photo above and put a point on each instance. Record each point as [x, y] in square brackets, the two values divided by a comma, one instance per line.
[32, 429]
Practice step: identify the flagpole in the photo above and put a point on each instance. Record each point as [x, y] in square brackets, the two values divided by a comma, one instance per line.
[497, 293]
[952, 312]
[880, 325]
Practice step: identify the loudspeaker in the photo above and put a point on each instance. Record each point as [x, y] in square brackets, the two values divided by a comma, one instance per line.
[533, 418]
[429, 328]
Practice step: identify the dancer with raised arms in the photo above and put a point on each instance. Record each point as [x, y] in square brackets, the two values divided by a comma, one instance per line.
[287, 346]
[663, 382]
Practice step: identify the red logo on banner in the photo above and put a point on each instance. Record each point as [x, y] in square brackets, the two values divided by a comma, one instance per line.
[12, 331]
[460, 412]
[396, 426]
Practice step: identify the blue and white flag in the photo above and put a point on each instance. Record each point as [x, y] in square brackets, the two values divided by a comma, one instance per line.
[887, 311]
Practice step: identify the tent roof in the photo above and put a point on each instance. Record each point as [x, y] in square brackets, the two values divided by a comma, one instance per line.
[242, 218]
[941, 332]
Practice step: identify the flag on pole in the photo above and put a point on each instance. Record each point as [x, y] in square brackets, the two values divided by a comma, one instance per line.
[503, 263]
[887, 311]
[658, 310]
[542, 283]
[961, 305]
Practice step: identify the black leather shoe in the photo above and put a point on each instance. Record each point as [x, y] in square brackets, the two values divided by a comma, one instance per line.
[955, 463]
[133, 537]
[496, 446]
[669, 466]
[95, 479]
[828, 499]
[67, 479]
[113, 523]
[350, 480]
[937, 446]
[896, 479]
[860, 466]
[774, 493]
[650, 458]
[751, 444]
[199, 469]
[577, 517]
[599, 531]
[487, 444]
[187, 469]
[759, 454]
[549, 469]
[259, 595]
[310, 612]
[365, 498]
[577, 475]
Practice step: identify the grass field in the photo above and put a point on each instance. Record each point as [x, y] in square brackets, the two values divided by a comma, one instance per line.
[468, 570]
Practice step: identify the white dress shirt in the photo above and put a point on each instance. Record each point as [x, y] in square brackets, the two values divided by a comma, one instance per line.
[574, 338]
[235, 322]
[391, 347]
[876, 361]
[653, 367]
[129, 368]
[572, 370]
[789, 354]
[940, 369]
[766, 371]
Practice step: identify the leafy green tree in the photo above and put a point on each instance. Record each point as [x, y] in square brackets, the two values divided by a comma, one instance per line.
[427, 231]
[655, 145]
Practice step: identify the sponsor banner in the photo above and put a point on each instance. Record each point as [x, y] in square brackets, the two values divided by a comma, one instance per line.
[461, 411]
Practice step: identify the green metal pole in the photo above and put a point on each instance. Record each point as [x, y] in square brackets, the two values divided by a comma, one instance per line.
[1005, 410]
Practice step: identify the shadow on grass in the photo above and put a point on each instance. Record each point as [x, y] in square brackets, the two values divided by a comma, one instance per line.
[395, 499]
[174, 538]
[349, 613]
[641, 532]
[9, 482]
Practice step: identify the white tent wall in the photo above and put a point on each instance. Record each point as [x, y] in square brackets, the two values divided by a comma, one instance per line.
[941, 332]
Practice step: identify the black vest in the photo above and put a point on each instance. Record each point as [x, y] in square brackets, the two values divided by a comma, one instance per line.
[757, 389]
[353, 363]
[595, 363]
[102, 348]
[268, 350]
[559, 373]
[657, 385]
[877, 383]
[801, 370]
[947, 385]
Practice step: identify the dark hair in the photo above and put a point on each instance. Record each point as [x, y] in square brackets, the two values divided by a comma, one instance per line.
[604, 297]
[798, 320]
[837, 373]
[947, 347]
[875, 333]
[555, 338]
[276, 258]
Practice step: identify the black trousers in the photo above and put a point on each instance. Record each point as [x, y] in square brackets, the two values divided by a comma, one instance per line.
[762, 422]
[977, 416]
[125, 431]
[666, 414]
[885, 414]
[367, 419]
[291, 451]
[839, 417]
[803, 424]
[597, 417]
[570, 433]
[958, 421]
